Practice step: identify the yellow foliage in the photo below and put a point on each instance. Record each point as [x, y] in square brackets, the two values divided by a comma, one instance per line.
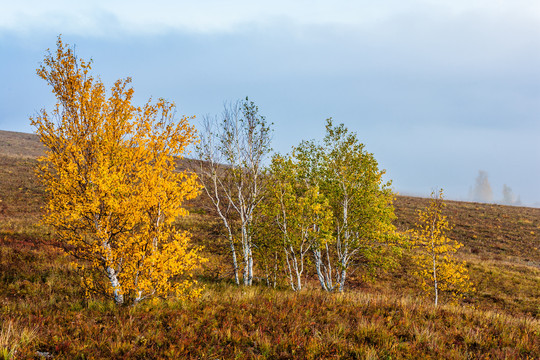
[113, 190]
[438, 270]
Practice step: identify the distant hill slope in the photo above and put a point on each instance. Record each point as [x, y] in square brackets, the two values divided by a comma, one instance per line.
[20, 145]
[488, 231]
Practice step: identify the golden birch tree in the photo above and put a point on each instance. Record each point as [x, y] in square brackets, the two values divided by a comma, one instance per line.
[438, 270]
[113, 190]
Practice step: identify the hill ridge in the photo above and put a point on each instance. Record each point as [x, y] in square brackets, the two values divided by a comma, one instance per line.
[20, 145]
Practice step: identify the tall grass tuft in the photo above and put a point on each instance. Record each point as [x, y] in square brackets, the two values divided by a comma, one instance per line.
[12, 337]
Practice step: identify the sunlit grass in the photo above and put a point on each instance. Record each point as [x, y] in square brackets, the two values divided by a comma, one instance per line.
[41, 300]
[13, 337]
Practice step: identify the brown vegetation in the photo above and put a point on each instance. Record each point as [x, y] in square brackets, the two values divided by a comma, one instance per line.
[20, 145]
[385, 318]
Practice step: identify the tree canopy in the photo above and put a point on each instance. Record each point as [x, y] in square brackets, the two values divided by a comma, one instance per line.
[112, 186]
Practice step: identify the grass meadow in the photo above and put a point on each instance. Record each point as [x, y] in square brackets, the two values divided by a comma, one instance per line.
[44, 314]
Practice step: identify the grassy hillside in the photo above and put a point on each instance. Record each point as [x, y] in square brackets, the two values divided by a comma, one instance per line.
[384, 318]
[20, 145]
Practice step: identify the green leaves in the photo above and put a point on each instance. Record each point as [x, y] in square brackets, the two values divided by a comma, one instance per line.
[333, 194]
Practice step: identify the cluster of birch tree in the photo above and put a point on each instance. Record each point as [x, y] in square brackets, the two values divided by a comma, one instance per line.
[324, 203]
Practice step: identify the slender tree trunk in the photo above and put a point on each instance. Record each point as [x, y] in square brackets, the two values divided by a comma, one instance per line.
[250, 245]
[343, 251]
[247, 249]
[245, 271]
[211, 187]
[235, 262]
[117, 291]
[248, 260]
[233, 248]
[111, 273]
[300, 270]
[297, 272]
[250, 266]
[434, 257]
[344, 266]
[342, 278]
[318, 266]
[328, 269]
[298, 280]
[324, 271]
[231, 239]
[435, 281]
[289, 269]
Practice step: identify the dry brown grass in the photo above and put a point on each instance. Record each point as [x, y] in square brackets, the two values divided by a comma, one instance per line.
[381, 319]
[12, 337]
[20, 145]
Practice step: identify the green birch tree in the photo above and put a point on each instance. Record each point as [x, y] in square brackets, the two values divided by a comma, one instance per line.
[361, 203]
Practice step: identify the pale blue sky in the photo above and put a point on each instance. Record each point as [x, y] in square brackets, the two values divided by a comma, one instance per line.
[436, 89]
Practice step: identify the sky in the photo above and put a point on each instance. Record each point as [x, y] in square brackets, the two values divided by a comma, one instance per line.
[437, 90]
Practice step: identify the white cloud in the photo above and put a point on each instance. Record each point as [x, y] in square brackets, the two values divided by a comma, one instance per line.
[95, 18]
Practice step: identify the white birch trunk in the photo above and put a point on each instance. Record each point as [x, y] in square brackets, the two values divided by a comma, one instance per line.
[111, 273]
[318, 267]
[342, 278]
[250, 265]
[299, 270]
[435, 279]
[117, 291]
[289, 270]
[324, 271]
[235, 262]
